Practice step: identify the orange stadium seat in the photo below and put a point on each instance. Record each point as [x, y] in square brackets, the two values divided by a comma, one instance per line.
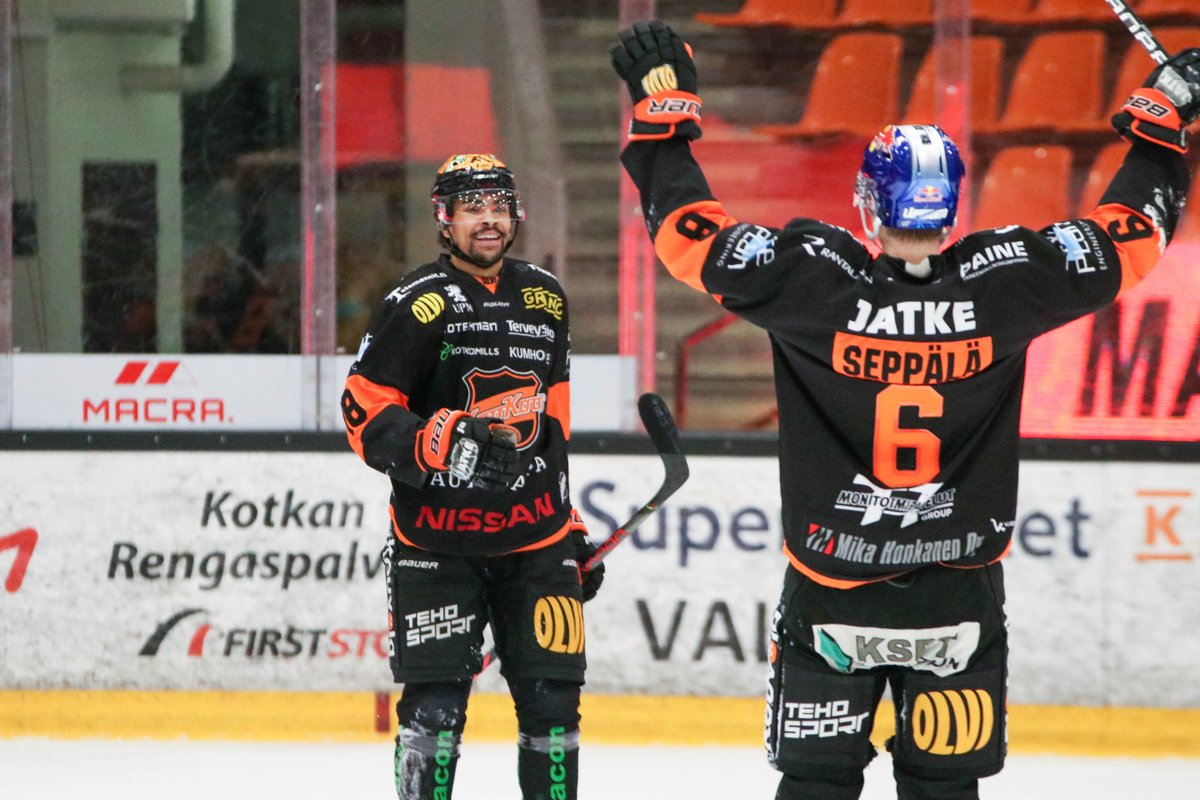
[1100, 173]
[1057, 84]
[987, 53]
[784, 13]
[1070, 11]
[856, 13]
[853, 91]
[1025, 186]
[1007, 11]
[1153, 9]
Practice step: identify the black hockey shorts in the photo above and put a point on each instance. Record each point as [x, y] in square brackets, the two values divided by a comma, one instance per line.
[937, 636]
[439, 605]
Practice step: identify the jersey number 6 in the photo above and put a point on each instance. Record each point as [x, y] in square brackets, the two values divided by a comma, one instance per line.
[891, 439]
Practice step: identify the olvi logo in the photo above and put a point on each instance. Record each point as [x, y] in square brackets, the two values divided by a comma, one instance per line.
[558, 624]
[952, 722]
[145, 405]
[23, 541]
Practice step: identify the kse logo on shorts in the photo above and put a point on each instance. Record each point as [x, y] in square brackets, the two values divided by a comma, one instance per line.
[558, 624]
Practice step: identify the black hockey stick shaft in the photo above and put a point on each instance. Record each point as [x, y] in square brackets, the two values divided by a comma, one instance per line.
[664, 434]
[660, 427]
[1139, 29]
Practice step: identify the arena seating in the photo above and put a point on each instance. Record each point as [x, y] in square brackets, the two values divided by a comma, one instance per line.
[854, 90]
[987, 53]
[784, 13]
[1057, 84]
[1025, 186]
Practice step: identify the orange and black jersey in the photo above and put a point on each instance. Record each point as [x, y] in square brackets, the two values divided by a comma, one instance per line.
[899, 398]
[442, 339]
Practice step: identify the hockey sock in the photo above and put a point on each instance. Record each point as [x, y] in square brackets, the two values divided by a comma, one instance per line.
[548, 737]
[432, 717]
[548, 766]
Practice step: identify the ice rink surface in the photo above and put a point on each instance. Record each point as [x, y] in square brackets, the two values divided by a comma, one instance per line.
[44, 769]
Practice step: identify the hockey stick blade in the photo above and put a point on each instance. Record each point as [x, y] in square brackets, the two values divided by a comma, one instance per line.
[1139, 30]
[664, 434]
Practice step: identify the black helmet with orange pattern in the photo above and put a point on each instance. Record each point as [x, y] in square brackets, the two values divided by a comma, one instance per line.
[473, 176]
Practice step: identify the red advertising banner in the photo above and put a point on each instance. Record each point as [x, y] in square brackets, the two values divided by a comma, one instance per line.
[1130, 371]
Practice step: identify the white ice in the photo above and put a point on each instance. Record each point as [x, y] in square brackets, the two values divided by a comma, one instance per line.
[44, 769]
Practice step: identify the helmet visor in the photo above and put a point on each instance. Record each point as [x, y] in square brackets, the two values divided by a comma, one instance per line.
[475, 203]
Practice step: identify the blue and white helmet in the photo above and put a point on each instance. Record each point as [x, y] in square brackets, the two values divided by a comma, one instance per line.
[910, 178]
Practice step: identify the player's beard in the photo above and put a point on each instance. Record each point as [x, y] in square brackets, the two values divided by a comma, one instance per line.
[487, 253]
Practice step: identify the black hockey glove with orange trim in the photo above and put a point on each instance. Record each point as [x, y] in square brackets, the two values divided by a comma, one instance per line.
[477, 450]
[1166, 104]
[585, 549]
[657, 66]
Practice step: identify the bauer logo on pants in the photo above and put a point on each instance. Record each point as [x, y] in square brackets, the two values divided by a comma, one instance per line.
[952, 722]
[558, 624]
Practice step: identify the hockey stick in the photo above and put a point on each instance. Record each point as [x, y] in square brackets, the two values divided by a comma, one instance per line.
[660, 427]
[1139, 30]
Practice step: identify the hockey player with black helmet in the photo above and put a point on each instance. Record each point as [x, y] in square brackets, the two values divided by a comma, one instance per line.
[460, 395]
[899, 380]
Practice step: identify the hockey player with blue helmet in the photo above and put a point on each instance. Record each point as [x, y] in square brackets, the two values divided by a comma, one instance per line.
[898, 377]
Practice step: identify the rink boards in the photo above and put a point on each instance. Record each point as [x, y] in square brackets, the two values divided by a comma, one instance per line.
[259, 573]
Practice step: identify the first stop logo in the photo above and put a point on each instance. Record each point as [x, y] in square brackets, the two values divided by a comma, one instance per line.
[204, 638]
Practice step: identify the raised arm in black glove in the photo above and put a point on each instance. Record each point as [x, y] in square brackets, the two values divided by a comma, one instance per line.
[657, 65]
[480, 451]
[1166, 104]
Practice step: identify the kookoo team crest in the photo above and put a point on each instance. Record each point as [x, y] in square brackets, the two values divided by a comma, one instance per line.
[515, 398]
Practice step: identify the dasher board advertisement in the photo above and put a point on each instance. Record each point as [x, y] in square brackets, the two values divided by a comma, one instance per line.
[222, 393]
[1129, 371]
[241, 570]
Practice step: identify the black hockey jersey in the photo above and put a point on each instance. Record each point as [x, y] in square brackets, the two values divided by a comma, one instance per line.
[899, 398]
[441, 339]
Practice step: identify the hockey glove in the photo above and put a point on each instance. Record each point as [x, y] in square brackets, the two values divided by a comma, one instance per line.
[584, 549]
[658, 67]
[479, 451]
[1166, 104]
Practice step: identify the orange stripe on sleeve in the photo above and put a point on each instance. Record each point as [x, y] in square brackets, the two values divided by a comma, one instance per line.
[685, 237]
[558, 405]
[367, 399]
[1136, 238]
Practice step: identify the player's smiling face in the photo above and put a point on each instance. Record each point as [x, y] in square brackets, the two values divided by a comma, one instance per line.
[482, 224]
